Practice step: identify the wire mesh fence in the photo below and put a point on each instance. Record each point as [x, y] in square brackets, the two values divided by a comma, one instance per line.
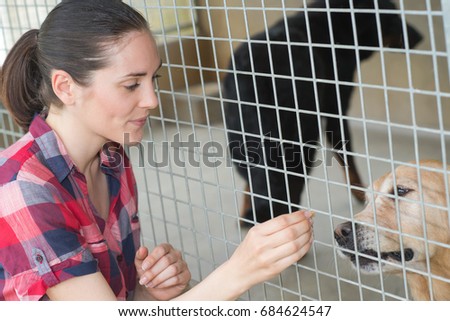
[249, 94]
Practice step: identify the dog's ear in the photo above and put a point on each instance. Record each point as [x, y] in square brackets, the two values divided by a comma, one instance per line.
[394, 36]
[393, 32]
[391, 26]
[414, 37]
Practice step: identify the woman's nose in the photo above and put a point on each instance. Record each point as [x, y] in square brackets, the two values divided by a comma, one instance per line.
[149, 98]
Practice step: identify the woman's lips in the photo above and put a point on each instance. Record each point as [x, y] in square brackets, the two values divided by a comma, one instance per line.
[139, 122]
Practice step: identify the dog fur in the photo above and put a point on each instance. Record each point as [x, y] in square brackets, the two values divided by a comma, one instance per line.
[274, 129]
[395, 216]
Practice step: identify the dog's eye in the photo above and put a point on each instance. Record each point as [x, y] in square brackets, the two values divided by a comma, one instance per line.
[402, 191]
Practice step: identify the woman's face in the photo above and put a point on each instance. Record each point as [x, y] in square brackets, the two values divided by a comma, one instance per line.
[116, 103]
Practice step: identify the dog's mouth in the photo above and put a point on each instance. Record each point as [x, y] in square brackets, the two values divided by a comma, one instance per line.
[364, 259]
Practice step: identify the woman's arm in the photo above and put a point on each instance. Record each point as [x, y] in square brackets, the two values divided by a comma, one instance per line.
[90, 287]
[268, 249]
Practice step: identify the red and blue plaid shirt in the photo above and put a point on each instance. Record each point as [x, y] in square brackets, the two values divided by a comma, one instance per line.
[49, 229]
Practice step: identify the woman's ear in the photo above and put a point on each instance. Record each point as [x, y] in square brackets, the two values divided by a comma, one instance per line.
[63, 86]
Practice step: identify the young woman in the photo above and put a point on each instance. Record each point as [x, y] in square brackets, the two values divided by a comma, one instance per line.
[69, 228]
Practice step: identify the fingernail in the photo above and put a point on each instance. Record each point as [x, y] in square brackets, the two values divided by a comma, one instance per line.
[149, 285]
[145, 266]
[308, 214]
[143, 280]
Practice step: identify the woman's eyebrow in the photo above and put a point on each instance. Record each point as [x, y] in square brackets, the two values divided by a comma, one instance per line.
[141, 74]
[135, 74]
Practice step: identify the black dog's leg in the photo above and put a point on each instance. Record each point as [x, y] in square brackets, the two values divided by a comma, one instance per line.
[267, 181]
[334, 137]
[275, 184]
[263, 197]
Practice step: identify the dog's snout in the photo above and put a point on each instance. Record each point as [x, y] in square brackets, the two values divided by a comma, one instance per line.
[343, 230]
[343, 234]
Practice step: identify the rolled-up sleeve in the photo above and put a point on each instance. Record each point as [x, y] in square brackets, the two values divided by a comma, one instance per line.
[41, 241]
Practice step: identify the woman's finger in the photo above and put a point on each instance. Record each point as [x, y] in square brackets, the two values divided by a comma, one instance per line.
[288, 234]
[155, 256]
[181, 279]
[281, 222]
[141, 255]
[176, 274]
[152, 279]
[287, 254]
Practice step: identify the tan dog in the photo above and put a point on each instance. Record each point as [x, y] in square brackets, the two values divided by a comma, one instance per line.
[391, 235]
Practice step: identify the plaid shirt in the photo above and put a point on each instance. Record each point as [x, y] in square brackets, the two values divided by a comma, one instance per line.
[49, 229]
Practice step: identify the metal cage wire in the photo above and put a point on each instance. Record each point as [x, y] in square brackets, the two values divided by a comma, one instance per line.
[189, 192]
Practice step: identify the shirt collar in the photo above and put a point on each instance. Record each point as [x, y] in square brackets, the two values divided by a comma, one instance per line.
[52, 148]
[56, 156]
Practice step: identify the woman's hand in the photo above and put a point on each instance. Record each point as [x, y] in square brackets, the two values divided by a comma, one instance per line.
[271, 247]
[163, 272]
[267, 250]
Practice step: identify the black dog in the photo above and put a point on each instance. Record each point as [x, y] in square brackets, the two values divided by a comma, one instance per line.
[279, 93]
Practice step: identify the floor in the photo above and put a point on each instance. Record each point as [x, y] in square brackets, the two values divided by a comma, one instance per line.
[194, 205]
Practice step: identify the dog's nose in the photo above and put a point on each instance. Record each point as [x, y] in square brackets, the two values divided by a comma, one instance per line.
[343, 233]
[344, 229]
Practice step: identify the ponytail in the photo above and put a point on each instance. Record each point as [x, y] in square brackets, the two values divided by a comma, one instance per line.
[20, 80]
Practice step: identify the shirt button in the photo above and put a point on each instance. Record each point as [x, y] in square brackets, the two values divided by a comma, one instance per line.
[119, 258]
[135, 218]
[39, 259]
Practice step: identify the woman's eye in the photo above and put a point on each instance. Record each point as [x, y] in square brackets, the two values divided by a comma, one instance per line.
[132, 87]
[155, 79]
